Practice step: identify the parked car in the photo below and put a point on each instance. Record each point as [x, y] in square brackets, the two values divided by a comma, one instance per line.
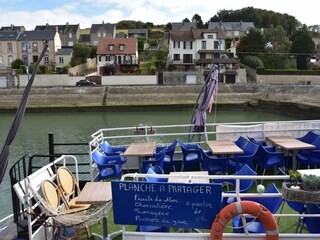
[85, 82]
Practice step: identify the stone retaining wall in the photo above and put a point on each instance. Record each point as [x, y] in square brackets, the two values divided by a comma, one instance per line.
[239, 96]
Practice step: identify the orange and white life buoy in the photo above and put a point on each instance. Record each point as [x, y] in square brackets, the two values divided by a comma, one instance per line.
[242, 207]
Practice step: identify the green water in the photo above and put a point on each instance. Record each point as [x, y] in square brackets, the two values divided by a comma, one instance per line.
[32, 136]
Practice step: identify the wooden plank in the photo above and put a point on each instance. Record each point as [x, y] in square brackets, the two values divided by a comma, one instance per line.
[140, 149]
[289, 143]
[274, 139]
[95, 193]
[220, 142]
[225, 149]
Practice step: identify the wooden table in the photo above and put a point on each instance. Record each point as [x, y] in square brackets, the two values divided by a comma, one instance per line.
[188, 177]
[224, 147]
[290, 144]
[140, 150]
[97, 193]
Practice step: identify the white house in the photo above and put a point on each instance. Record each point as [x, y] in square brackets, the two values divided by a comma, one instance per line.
[187, 47]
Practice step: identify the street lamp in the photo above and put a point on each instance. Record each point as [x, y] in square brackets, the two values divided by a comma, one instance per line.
[27, 67]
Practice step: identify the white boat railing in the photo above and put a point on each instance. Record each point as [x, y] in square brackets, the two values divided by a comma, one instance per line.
[133, 235]
[230, 131]
[165, 134]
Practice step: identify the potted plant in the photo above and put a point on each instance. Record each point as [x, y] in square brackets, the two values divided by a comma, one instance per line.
[295, 179]
[310, 182]
[304, 188]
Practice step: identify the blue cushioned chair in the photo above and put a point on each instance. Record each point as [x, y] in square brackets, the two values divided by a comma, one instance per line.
[241, 142]
[214, 164]
[311, 156]
[191, 154]
[236, 161]
[154, 179]
[109, 166]
[168, 158]
[245, 184]
[155, 162]
[266, 159]
[309, 137]
[263, 144]
[271, 203]
[112, 150]
[312, 223]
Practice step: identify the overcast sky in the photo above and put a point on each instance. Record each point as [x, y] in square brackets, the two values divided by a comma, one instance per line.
[85, 12]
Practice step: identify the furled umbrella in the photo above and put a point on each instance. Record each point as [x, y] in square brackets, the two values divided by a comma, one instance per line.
[199, 118]
[18, 117]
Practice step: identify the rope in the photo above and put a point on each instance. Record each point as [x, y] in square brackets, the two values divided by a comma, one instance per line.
[248, 223]
[94, 213]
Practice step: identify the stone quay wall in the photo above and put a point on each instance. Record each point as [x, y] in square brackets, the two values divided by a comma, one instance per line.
[299, 100]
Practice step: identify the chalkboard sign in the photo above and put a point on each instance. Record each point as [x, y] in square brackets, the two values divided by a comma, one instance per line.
[165, 204]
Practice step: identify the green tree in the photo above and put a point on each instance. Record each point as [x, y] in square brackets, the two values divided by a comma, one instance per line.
[161, 58]
[303, 46]
[197, 19]
[168, 27]
[141, 44]
[16, 64]
[186, 20]
[260, 17]
[127, 24]
[81, 53]
[281, 43]
[148, 25]
[251, 44]
[93, 52]
[252, 61]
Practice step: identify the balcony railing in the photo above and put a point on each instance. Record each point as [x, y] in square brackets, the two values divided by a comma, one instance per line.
[185, 61]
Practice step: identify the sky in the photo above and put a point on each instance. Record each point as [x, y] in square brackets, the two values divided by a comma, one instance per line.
[86, 12]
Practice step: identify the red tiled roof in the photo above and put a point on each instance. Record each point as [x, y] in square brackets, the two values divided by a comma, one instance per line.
[130, 46]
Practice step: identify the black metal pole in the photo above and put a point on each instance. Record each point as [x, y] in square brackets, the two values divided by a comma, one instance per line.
[51, 146]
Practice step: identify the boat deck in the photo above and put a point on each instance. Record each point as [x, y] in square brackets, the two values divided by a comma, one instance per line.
[9, 233]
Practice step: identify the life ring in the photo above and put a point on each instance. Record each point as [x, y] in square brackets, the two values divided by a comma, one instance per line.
[249, 207]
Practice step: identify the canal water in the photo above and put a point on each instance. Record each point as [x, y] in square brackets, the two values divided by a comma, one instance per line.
[32, 136]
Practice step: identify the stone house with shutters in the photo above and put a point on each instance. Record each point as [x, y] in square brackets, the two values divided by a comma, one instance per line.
[63, 57]
[69, 33]
[232, 29]
[33, 40]
[99, 31]
[8, 47]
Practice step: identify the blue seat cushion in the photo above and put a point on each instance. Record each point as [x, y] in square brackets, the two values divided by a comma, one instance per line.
[192, 157]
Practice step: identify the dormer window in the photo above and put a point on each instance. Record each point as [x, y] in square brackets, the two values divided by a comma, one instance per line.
[121, 47]
[111, 47]
[34, 47]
